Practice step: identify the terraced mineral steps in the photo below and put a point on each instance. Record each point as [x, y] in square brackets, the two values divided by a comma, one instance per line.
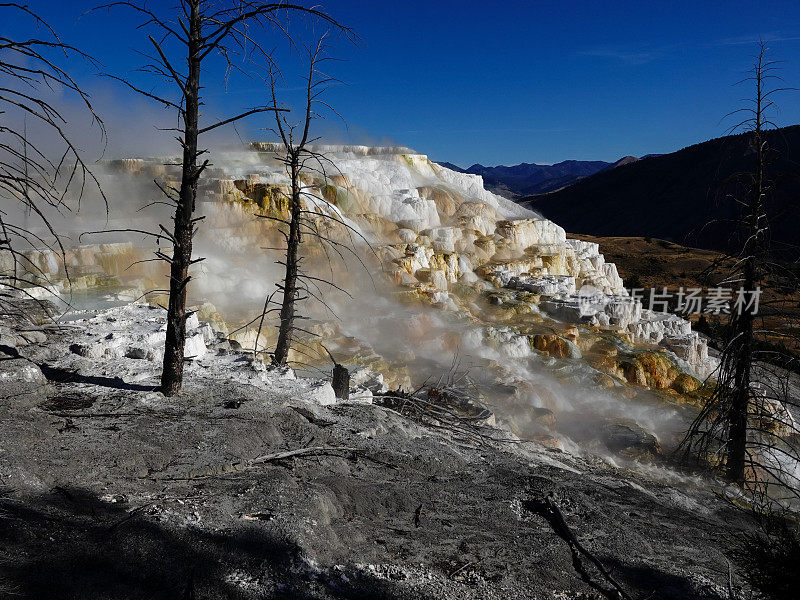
[509, 278]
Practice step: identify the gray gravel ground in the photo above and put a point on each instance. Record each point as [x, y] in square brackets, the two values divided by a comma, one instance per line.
[112, 491]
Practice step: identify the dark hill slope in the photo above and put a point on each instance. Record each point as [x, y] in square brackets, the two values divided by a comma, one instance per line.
[530, 178]
[674, 196]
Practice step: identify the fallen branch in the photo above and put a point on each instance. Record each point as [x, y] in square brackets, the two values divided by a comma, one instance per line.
[299, 452]
[213, 470]
[443, 409]
[72, 415]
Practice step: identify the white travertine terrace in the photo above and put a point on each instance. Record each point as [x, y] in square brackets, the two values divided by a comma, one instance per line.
[461, 227]
[435, 227]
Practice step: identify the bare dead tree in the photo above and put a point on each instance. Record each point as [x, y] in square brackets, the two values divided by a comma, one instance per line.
[307, 207]
[295, 154]
[747, 427]
[185, 39]
[37, 178]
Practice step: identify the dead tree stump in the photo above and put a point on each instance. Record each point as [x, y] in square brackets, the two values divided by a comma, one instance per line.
[341, 382]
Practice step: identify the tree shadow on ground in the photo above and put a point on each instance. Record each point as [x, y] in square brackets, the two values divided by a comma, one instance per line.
[69, 544]
[662, 585]
[59, 375]
[612, 577]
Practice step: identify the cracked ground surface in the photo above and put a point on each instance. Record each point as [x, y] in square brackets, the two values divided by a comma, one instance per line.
[128, 499]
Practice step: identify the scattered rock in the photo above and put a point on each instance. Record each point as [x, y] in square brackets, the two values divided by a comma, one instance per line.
[686, 384]
[545, 416]
[604, 380]
[659, 370]
[548, 441]
[571, 334]
[633, 372]
[20, 370]
[33, 337]
[374, 382]
[604, 348]
[629, 439]
[133, 352]
[555, 346]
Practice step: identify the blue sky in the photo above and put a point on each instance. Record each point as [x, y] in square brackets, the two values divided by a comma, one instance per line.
[499, 82]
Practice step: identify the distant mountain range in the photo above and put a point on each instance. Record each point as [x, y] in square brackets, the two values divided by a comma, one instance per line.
[530, 178]
[676, 196]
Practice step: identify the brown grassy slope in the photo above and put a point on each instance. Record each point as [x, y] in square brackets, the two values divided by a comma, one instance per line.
[657, 263]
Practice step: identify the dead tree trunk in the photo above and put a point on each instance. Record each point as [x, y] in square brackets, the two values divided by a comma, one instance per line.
[741, 397]
[729, 431]
[201, 28]
[289, 288]
[172, 373]
[341, 382]
[742, 337]
[300, 157]
[742, 340]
